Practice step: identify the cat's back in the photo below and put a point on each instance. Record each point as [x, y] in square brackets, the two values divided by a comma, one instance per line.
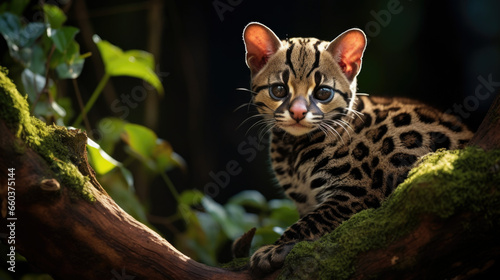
[390, 134]
[409, 123]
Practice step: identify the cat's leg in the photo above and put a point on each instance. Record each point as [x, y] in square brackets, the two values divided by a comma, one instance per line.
[312, 226]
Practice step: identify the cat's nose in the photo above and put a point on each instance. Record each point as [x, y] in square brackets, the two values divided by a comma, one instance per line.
[298, 109]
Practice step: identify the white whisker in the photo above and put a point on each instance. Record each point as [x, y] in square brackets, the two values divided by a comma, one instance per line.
[247, 90]
[248, 119]
[346, 123]
[347, 131]
[244, 105]
[357, 113]
[329, 127]
[265, 132]
[263, 122]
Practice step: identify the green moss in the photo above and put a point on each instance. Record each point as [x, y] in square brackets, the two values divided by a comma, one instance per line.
[47, 141]
[444, 183]
[236, 264]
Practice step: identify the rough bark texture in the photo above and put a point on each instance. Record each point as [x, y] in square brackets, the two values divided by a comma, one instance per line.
[72, 229]
[488, 133]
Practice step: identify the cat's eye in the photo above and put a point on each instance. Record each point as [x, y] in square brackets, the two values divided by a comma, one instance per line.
[278, 91]
[324, 94]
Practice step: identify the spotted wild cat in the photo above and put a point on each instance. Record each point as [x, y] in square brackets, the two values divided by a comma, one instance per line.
[334, 153]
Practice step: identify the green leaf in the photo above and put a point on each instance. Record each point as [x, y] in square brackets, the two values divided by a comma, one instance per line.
[110, 130]
[143, 57]
[10, 24]
[54, 16]
[133, 63]
[37, 62]
[20, 39]
[67, 104]
[49, 109]
[99, 159]
[69, 63]
[62, 37]
[201, 237]
[283, 213]
[30, 33]
[70, 71]
[33, 84]
[103, 163]
[156, 153]
[250, 198]
[264, 236]
[165, 157]
[191, 197]
[61, 113]
[245, 221]
[140, 139]
[220, 215]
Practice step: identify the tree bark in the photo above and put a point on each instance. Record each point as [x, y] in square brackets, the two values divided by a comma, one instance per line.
[73, 237]
[488, 133]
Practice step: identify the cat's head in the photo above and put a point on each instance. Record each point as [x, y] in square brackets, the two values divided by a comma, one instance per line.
[302, 83]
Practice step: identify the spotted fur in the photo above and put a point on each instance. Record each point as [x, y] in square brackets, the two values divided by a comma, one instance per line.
[333, 152]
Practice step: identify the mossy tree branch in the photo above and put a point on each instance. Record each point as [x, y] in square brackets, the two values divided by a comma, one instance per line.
[443, 222]
[65, 222]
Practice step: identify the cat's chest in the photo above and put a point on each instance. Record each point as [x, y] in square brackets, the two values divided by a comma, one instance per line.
[308, 167]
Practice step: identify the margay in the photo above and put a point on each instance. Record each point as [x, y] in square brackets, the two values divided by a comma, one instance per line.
[334, 152]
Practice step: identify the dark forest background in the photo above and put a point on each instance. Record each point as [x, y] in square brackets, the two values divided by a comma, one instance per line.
[435, 51]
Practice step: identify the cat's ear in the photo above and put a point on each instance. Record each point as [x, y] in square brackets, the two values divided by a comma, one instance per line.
[260, 44]
[347, 49]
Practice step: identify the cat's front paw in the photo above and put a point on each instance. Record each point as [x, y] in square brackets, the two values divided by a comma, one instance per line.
[269, 258]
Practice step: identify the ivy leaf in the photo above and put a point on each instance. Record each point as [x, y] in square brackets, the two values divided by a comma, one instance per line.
[155, 153]
[142, 56]
[54, 16]
[103, 163]
[165, 157]
[10, 25]
[99, 159]
[133, 63]
[70, 70]
[33, 83]
[110, 130]
[283, 212]
[60, 112]
[69, 63]
[191, 197]
[20, 39]
[220, 215]
[140, 139]
[250, 198]
[37, 62]
[62, 37]
[30, 33]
